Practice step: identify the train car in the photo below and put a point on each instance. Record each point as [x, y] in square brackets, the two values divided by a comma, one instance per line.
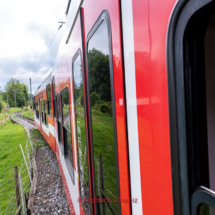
[129, 107]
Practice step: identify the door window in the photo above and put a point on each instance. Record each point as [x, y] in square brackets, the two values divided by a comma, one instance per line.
[49, 103]
[102, 122]
[59, 121]
[81, 132]
[67, 136]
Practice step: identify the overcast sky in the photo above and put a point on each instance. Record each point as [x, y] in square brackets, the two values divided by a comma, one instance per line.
[27, 28]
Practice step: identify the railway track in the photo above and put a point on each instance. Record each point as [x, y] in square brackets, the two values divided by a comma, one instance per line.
[25, 118]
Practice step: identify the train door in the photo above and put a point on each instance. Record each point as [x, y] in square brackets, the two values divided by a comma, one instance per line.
[193, 142]
[59, 116]
[105, 102]
[40, 113]
[79, 115]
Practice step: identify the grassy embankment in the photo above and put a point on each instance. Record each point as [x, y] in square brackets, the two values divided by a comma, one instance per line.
[11, 136]
[9, 112]
[28, 113]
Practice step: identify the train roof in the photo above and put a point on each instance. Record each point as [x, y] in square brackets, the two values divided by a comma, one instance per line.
[43, 85]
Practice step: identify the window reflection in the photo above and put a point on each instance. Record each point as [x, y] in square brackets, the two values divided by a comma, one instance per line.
[65, 109]
[59, 121]
[206, 209]
[45, 113]
[67, 138]
[102, 119]
[81, 133]
[49, 104]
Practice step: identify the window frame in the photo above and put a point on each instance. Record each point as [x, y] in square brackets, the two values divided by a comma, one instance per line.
[46, 120]
[79, 53]
[37, 111]
[54, 98]
[42, 111]
[179, 21]
[70, 166]
[49, 100]
[60, 115]
[104, 16]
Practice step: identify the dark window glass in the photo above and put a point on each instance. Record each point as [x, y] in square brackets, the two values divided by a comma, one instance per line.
[49, 108]
[59, 121]
[105, 164]
[37, 110]
[66, 108]
[206, 209]
[54, 108]
[53, 93]
[42, 111]
[53, 88]
[81, 133]
[67, 131]
[45, 113]
[48, 91]
[49, 105]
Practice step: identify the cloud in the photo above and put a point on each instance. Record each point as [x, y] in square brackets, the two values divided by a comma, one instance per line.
[26, 30]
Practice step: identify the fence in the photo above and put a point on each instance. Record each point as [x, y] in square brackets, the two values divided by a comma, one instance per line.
[107, 188]
[15, 184]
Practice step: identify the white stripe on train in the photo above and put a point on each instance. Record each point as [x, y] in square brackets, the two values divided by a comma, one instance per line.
[130, 85]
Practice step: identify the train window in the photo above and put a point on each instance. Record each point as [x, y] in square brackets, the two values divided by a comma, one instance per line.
[103, 129]
[45, 112]
[49, 103]
[33, 103]
[59, 122]
[81, 132]
[53, 93]
[37, 110]
[67, 136]
[42, 111]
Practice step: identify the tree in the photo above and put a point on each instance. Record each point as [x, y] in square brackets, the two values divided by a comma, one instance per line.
[1, 101]
[99, 73]
[21, 93]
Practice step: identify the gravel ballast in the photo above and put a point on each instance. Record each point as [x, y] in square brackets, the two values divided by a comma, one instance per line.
[49, 197]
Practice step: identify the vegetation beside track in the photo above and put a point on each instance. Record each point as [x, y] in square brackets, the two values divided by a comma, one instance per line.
[9, 112]
[37, 138]
[28, 112]
[11, 136]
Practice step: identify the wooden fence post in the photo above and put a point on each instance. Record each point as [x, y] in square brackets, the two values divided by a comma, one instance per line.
[26, 202]
[17, 186]
[102, 183]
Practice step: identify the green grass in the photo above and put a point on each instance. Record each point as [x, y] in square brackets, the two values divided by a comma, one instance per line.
[11, 136]
[37, 138]
[9, 112]
[28, 113]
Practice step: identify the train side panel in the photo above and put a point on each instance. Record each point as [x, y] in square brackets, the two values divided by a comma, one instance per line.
[137, 37]
[148, 24]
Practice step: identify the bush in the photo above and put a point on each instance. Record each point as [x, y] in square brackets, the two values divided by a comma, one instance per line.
[96, 112]
[81, 99]
[94, 98]
[98, 103]
[1, 107]
[104, 108]
[109, 104]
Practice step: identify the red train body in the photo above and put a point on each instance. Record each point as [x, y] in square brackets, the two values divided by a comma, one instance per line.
[122, 112]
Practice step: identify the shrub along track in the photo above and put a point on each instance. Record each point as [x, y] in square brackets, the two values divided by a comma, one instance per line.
[47, 191]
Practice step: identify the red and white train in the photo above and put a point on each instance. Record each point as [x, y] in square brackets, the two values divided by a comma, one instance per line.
[129, 108]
